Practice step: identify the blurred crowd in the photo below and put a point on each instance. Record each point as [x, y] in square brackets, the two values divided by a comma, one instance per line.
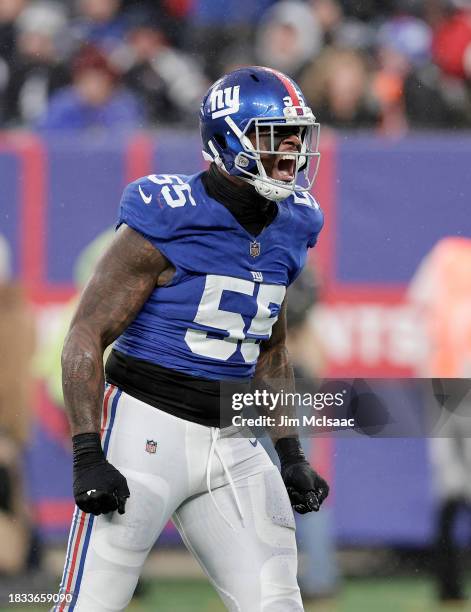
[390, 65]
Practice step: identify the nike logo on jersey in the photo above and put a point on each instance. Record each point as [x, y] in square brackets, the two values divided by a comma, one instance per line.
[146, 198]
[254, 444]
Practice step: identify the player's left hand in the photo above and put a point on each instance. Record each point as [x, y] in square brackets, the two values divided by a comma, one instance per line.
[306, 489]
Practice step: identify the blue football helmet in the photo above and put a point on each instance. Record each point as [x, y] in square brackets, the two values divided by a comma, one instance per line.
[255, 102]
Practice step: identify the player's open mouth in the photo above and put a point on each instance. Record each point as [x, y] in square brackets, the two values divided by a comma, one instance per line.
[284, 168]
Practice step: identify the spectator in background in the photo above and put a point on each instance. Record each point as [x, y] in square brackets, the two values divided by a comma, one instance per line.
[368, 10]
[169, 83]
[441, 292]
[36, 69]
[9, 11]
[95, 100]
[452, 41]
[329, 16]
[217, 26]
[98, 23]
[337, 88]
[344, 32]
[401, 42]
[173, 17]
[451, 49]
[407, 85]
[288, 37]
[410, 56]
[16, 351]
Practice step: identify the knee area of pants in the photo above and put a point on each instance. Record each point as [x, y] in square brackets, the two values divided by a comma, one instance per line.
[279, 586]
[136, 529]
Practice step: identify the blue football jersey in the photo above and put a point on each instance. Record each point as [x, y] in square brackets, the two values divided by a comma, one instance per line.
[226, 293]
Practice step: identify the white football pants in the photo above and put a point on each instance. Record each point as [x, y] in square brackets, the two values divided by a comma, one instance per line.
[224, 495]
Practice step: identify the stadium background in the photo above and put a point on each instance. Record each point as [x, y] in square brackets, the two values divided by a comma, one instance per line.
[389, 194]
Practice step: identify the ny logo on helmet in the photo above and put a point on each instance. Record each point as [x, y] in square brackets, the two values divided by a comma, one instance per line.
[225, 102]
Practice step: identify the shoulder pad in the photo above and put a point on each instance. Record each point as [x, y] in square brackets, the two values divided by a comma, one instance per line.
[309, 214]
[304, 198]
[147, 204]
[174, 190]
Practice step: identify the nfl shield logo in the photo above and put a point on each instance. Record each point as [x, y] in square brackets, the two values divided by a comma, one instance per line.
[151, 447]
[255, 249]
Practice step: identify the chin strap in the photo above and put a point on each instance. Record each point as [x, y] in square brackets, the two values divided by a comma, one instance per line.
[269, 190]
[264, 187]
[272, 192]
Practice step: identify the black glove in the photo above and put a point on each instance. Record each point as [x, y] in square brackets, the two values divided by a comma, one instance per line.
[306, 489]
[98, 486]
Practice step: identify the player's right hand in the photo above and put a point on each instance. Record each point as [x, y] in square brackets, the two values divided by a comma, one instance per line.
[99, 487]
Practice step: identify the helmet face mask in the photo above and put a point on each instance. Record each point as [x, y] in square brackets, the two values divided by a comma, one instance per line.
[247, 119]
[305, 160]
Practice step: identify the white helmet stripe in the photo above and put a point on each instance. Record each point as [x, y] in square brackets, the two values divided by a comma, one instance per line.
[240, 135]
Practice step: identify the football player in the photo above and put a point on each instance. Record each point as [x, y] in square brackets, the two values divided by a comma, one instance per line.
[192, 290]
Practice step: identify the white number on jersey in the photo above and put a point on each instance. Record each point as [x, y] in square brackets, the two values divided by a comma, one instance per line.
[210, 315]
[175, 191]
[305, 199]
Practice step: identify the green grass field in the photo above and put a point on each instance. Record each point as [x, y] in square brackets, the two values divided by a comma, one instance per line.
[358, 595]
